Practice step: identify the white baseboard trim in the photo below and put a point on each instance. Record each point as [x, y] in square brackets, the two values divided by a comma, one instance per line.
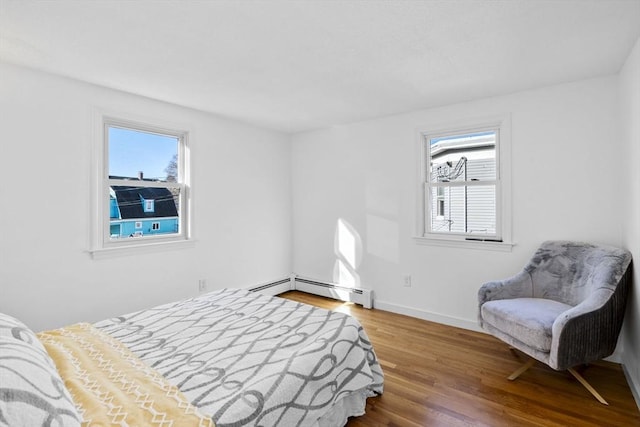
[633, 385]
[631, 371]
[427, 315]
[458, 322]
[616, 357]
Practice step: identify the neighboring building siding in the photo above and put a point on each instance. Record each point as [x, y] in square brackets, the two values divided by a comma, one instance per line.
[127, 228]
[481, 202]
[468, 209]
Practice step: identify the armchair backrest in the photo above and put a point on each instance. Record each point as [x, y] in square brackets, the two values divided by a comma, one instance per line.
[568, 271]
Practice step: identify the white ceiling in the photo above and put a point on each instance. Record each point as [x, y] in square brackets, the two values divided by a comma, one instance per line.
[300, 65]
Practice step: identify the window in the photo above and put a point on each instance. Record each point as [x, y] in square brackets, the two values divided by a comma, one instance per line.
[142, 196]
[463, 184]
[149, 206]
[440, 202]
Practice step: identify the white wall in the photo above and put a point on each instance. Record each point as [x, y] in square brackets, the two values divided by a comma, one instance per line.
[566, 170]
[242, 218]
[630, 119]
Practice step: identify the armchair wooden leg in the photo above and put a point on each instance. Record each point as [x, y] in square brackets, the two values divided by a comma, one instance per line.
[521, 369]
[573, 372]
[588, 386]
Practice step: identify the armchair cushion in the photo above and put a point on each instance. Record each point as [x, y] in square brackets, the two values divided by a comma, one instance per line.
[529, 319]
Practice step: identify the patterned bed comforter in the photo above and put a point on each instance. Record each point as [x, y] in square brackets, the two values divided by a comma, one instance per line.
[250, 359]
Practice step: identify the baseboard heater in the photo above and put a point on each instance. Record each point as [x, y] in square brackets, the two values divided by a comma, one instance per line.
[336, 291]
[273, 288]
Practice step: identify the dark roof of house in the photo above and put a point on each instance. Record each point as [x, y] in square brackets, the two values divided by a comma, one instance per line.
[131, 206]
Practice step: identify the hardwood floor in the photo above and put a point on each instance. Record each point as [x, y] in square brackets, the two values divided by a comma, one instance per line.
[437, 375]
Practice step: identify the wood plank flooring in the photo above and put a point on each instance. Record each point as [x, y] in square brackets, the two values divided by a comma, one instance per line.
[437, 375]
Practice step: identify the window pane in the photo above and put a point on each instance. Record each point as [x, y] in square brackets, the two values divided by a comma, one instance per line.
[465, 157]
[481, 209]
[449, 215]
[131, 217]
[135, 154]
[464, 209]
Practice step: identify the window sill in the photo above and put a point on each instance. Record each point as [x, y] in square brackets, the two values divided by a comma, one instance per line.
[137, 249]
[466, 244]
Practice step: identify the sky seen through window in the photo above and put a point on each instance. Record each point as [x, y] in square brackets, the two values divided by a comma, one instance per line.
[134, 151]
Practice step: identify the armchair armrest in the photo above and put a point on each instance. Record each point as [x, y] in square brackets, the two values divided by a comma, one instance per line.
[588, 331]
[518, 286]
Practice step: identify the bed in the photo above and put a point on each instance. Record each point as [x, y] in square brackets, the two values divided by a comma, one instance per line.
[228, 358]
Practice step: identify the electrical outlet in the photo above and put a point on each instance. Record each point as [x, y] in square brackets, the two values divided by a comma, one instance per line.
[202, 285]
[407, 281]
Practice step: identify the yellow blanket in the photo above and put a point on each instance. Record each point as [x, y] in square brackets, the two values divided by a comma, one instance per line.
[111, 386]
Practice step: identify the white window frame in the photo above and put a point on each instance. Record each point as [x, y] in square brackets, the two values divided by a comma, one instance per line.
[101, 244]
[502, 241]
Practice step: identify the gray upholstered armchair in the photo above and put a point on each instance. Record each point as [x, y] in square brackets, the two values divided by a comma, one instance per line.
[564, 309]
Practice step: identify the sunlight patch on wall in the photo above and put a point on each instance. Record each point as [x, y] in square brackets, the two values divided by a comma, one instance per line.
[344, 275]
[348, 250]
[346, 243]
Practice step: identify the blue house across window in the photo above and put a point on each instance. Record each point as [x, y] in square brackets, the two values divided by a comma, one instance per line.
[141, 211]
